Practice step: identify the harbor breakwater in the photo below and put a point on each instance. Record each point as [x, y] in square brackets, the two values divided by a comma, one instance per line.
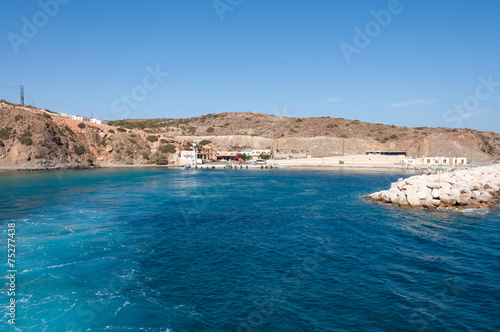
[470, 188]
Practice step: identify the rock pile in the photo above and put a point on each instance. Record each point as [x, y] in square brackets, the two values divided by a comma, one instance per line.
[463, 189]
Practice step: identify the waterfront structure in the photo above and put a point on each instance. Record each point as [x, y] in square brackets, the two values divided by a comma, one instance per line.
[386, 153]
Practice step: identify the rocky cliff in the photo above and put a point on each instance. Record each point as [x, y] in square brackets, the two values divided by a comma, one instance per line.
[32, 138]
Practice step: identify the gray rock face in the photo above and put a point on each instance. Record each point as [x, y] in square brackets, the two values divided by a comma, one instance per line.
[466, 188]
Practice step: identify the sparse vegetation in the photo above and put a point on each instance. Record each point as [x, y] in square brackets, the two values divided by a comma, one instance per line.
[120, 129]
[111, 131]
[47, 116]
[25, 138]
[18, 117]
[205, 142]
[5, 133]
[163, 141]
[79, 149]
[152, 138]
[81, 125]
[68, 129]
[169, 148]
[160, 159]
[210, 130]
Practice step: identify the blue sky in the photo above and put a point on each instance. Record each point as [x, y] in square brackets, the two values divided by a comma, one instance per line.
[423, 63]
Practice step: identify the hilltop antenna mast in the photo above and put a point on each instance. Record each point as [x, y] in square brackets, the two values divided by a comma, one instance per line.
[22, 94]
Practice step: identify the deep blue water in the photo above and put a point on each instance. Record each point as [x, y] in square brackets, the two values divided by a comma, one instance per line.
[241, 250]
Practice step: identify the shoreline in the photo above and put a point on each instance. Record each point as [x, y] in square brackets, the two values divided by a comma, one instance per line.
[274, 165]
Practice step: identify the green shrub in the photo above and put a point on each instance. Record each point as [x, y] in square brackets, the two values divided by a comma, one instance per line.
[393, 136]
[68, 129]
[26, 140]
[128, 153]
[5, 133]
[132, 141]
[72, 139]
[133, 135]
[161, 159]
[39, 157]
[103, 142]
[343, 136]
[79, 149]
[299, 120]
[145, 156]
[169, 148]
[18, 117]
[81, 125]
[111, 131]
[264, 156]
[89, 159]
[66, 151]
[45, 115]
[122, 129]
[205, 142]
[152, 138]
[210, 130]
[164, 141]
[43, 144]
[1, 144]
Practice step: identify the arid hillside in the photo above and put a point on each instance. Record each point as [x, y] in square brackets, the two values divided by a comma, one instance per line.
[324, 136]
[35, 138]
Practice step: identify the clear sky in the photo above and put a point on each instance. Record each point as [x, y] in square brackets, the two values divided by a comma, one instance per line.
[408, 63]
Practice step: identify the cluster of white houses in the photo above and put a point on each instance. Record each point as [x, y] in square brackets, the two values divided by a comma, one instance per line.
[83, 118]
[421, 160]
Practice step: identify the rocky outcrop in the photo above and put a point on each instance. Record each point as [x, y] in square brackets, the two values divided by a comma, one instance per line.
[462, 189]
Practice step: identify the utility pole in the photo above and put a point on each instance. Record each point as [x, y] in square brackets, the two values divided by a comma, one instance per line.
[22, 94]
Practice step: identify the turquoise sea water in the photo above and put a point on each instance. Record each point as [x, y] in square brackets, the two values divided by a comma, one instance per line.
[241, 250]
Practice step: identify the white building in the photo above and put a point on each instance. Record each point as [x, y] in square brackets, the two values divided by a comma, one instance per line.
[65, 115]
[80, 118]
[99, 121]
[436, 161]
[256, 153]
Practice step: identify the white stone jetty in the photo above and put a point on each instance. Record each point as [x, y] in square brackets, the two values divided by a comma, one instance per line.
[471, 188]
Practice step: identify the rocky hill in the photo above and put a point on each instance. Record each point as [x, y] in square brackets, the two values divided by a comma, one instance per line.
[36, 138]
[32, 138]
[324, 136]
